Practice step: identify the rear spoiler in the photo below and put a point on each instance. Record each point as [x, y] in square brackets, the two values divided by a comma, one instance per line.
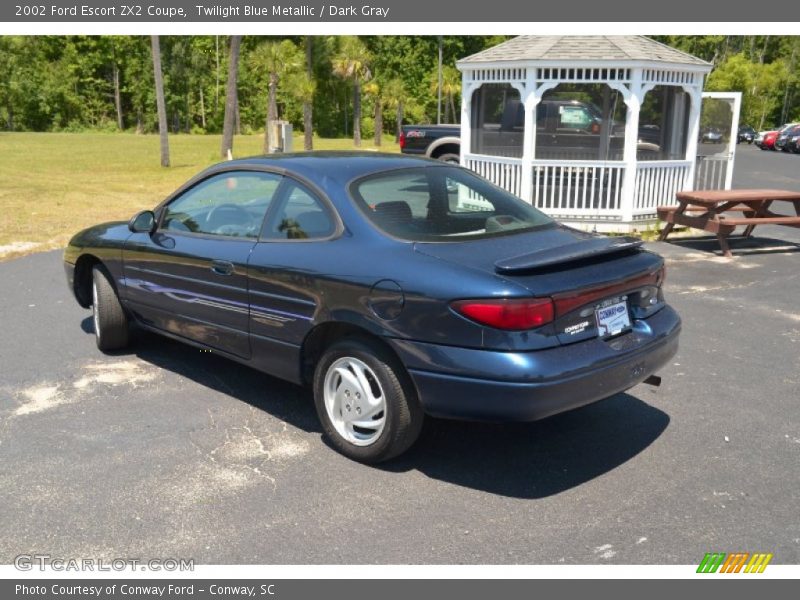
[586, 249]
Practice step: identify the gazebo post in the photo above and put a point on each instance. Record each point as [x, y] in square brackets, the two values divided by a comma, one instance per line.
[530, 101]
[633, 101]
[467, 88]
[696, 103]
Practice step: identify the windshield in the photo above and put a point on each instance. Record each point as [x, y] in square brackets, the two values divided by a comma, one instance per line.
[442, 204]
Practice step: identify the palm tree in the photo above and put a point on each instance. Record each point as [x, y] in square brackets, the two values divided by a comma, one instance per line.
[275, 60]
[352, 62]
[396, 96]
[374, 90]
[303, 87]
[451, 87]
[162, 110]
[231, 99]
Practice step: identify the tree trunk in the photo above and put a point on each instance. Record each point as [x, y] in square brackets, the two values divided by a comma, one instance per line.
[357, 112]
[763, 50]
[378, 122]
[202, 109]
[785, 110]
[10, 117]
[272, 112]
[231, 98]
[162, 110]
[216, 88]
[117, 98]
[453, 108]
[139, 123]
[308, 104]
[308, 127]
[446, 113]
[399, 119]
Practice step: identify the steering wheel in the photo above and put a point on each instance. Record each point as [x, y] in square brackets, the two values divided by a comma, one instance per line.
[246, 218]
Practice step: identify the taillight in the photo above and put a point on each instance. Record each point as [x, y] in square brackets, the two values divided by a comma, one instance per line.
[595, 128]
[402, 140]
[509, 314]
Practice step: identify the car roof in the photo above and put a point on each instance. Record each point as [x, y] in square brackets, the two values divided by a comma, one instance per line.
[323, 167]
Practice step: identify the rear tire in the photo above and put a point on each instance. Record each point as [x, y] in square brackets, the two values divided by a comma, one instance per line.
[111, 327]
[449, 158]
[365, 401]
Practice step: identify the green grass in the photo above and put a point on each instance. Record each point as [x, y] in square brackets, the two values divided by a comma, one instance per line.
[54, 184]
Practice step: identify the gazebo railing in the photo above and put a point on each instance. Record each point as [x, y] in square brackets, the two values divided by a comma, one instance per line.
[657, 182]
[578, 188]
[502, 171]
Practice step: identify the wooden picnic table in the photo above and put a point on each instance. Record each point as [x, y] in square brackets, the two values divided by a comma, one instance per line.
[705, 210]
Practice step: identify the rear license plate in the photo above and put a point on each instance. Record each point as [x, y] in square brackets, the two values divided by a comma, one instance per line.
[612, 318]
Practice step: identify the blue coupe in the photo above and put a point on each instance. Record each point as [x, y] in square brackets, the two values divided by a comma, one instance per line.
[393, 286]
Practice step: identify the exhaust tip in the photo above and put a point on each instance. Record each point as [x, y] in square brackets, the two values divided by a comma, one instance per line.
[653, 380]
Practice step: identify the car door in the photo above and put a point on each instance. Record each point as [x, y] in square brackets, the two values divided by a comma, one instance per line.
[189, 277]
[285, 270]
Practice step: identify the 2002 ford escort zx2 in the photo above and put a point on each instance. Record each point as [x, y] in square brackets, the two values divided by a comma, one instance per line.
[394, 286]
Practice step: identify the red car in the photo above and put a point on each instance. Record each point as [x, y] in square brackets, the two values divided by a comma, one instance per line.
[766, 139]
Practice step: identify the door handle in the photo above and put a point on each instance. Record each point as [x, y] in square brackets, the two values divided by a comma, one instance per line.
[222, 267]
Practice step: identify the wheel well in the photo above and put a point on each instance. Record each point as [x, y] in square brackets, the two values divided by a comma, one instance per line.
[446, 149]
[83, 279]
[322, 337]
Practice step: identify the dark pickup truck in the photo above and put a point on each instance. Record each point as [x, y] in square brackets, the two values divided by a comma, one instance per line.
[565, 129]
[435, 141]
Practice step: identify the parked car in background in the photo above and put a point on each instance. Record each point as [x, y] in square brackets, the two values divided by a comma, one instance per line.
[766, 140]
[442, 142]
[392, 286]
[794, 144]
[564, 128]
[783, 137]
[746, 134]
[712, 135]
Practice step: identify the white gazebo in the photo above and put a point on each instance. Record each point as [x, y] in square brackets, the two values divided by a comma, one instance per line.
[594, 130]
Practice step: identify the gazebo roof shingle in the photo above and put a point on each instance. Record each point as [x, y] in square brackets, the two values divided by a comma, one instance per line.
[612, 48]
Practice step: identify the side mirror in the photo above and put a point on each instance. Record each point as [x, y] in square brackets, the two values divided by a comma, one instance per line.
[143, 222]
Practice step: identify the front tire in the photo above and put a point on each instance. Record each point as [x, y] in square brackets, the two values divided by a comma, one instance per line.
[111, 327]
[365, 401]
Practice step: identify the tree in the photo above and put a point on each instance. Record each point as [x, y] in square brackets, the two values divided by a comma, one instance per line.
[352, 62]
[396, 97]
[302, 87]
[308, 100]
[373, 89]
[275, 60]
[451, 87]
[162, 110]
[231, 99]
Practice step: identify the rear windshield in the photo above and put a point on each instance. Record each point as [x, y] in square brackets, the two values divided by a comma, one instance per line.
[442, 204]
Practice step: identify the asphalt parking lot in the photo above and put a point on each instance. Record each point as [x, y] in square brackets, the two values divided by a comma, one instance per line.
[165, 451]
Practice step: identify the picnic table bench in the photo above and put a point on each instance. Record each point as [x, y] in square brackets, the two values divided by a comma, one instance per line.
[706, 210]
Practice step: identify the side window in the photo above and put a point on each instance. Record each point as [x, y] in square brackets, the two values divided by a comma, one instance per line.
[300, 216]
[232, 204]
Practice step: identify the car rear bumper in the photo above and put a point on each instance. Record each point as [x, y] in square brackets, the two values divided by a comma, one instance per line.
[474, 384]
